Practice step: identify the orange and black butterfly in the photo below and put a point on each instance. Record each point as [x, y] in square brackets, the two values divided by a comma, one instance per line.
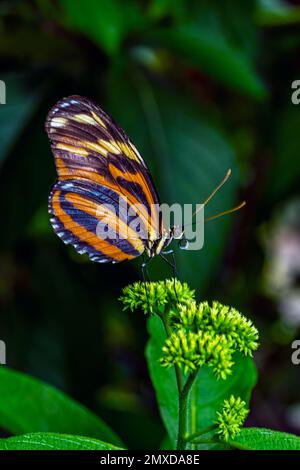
[98, 169]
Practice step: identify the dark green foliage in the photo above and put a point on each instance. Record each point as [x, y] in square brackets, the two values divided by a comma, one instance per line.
[52, 441]
[28, 406]
[199, 87]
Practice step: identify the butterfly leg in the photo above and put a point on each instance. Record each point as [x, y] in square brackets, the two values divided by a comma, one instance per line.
[172, 264]
[146, 279]
[145, 273]
[168, 252]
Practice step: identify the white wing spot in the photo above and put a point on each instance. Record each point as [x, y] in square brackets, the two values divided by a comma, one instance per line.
[68, 186]
[84, 119]
[58, 122]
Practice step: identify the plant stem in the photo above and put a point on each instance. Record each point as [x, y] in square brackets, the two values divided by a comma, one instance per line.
[193, 414]
[165, 320]
[209, 440]
[183, 411]
[213, 440]
[199, 433]
[236, 445]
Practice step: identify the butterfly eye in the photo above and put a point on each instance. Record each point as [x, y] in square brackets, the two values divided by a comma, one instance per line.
[183, 244]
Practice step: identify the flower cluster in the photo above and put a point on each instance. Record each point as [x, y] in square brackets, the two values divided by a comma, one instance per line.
[231, 418]
[191, 350]
[221, 320]
[155, 297]
[204, 334]
[201, 334]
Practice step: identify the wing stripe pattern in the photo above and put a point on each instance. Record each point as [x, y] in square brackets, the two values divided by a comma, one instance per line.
[98, 165]
[88, 221]
[98, 200]
[79, 228]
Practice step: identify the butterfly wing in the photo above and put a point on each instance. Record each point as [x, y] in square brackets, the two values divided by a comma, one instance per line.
[100, 176]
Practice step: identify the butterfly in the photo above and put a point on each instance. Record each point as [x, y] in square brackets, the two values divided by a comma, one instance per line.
[100, 172]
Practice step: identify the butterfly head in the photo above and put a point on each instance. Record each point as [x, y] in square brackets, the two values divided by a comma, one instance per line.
[168, 235]
[159, 244]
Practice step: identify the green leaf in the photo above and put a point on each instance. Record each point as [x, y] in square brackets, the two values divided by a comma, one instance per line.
[166, 444]
[265, 439]
[106, 23]
[29, 405]
[53, 441]
[160, 8]
[163, 379]
[188, 156]
[213, 54]
[21, 100]
[208, 393]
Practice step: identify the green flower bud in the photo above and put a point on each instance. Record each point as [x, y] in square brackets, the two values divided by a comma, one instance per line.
[154, 297]
[191, 350]
[231, 418]
[149, 297]
[201, 334]
[220, 319]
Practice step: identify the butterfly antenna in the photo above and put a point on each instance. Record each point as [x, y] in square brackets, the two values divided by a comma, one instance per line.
[214, 192]
[220, 214]
[229, 211]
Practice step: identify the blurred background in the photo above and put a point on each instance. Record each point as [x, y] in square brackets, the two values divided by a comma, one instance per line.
[199, 86]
